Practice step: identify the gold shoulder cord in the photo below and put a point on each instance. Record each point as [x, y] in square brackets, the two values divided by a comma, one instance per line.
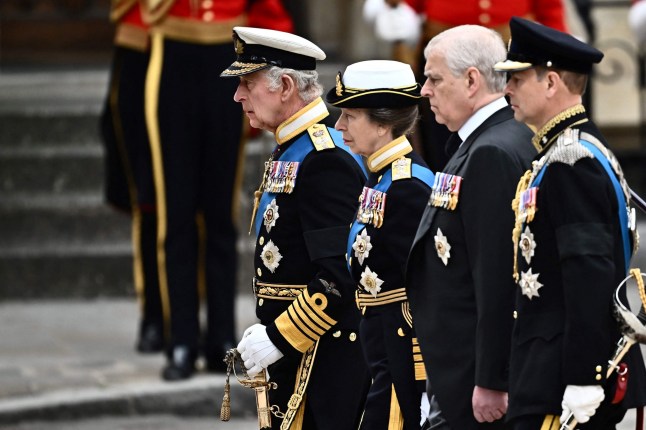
[523, 184]
[636, 273]
[258, 193]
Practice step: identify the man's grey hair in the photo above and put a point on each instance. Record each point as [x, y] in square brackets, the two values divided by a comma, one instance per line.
[307, 82]
[472, 46]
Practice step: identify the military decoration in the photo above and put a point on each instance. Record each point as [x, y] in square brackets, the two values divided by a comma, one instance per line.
[271, 215]
[442, 247]
[371, 282]
[527, 244]
[271, 256]
[362, 246]
[527, 208]
[445, 191]
[529, 284]
[372, 205]
[281, 177]
[401, 169]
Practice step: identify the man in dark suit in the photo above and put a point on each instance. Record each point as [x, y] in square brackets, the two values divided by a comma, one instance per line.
[458, 281]
[573, 240]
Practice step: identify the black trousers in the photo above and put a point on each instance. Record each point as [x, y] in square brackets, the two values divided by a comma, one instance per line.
[386, 339]
[196, 156]
[129, 174]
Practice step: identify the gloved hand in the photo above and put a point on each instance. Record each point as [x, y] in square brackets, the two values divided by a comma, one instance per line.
[425, 408]
[256, 350]
[582, 401]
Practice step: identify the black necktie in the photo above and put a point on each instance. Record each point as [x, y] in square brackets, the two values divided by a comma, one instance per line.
[452, 144]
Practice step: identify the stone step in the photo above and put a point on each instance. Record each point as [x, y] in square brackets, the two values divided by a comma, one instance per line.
[51, 169]
[83, 270]
[37, 220]
[18, 130]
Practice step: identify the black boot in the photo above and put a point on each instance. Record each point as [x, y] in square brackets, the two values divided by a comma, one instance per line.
[151, 339]
[181, 364]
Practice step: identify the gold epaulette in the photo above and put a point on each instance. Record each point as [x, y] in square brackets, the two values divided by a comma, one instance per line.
[402, 168]
[321, 138]
[305, 320]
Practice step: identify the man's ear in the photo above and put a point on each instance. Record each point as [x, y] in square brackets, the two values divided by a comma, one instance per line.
[473, 79]
[552, 80]
[288, 87]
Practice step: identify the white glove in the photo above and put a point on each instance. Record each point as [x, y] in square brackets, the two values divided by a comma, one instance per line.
[398, 23]
[425, 408]
[256, 350]
[582, 401]
[637, 20]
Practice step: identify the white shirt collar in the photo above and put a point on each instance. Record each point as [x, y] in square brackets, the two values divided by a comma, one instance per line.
[480, 116]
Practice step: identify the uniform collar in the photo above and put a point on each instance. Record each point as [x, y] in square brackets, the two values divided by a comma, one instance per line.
[555, 126]
[301, 120]
[389, 153]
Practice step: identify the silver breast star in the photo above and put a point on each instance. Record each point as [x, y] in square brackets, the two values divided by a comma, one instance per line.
[529, 284]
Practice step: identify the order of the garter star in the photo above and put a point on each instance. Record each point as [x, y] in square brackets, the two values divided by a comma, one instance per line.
[271, 215]
[527, 244]
[362, 246]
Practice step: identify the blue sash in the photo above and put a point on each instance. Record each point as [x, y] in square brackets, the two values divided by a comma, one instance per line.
[623, 214]
[297, 152]
[420, 172]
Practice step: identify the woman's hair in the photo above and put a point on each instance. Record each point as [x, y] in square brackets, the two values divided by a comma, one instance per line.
[402, 120]
[306, 81]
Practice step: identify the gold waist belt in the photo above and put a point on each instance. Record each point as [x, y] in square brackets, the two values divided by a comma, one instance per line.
[131, 36]
[393, 296]
[195, 31]
[264, 290]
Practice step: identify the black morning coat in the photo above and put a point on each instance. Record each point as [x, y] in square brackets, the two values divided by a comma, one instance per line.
[463, 311]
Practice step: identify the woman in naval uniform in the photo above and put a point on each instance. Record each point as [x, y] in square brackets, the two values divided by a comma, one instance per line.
[379, 106]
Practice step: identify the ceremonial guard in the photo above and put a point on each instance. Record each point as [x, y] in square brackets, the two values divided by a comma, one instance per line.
[195, 135]
[379, 106]
[129, 173]
[460, 294]
[573, 238]
[308, 332]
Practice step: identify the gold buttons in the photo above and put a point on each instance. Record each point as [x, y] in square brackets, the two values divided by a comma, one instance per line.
[353, 337]
[259, 272]
[484, 18]
[598, 368]
[598, 377]
[260, 302]
[515, 315]
[484, 4]
[400, 332]
[337, 333]
[207, 4]
[261, 241]
[208, 16]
